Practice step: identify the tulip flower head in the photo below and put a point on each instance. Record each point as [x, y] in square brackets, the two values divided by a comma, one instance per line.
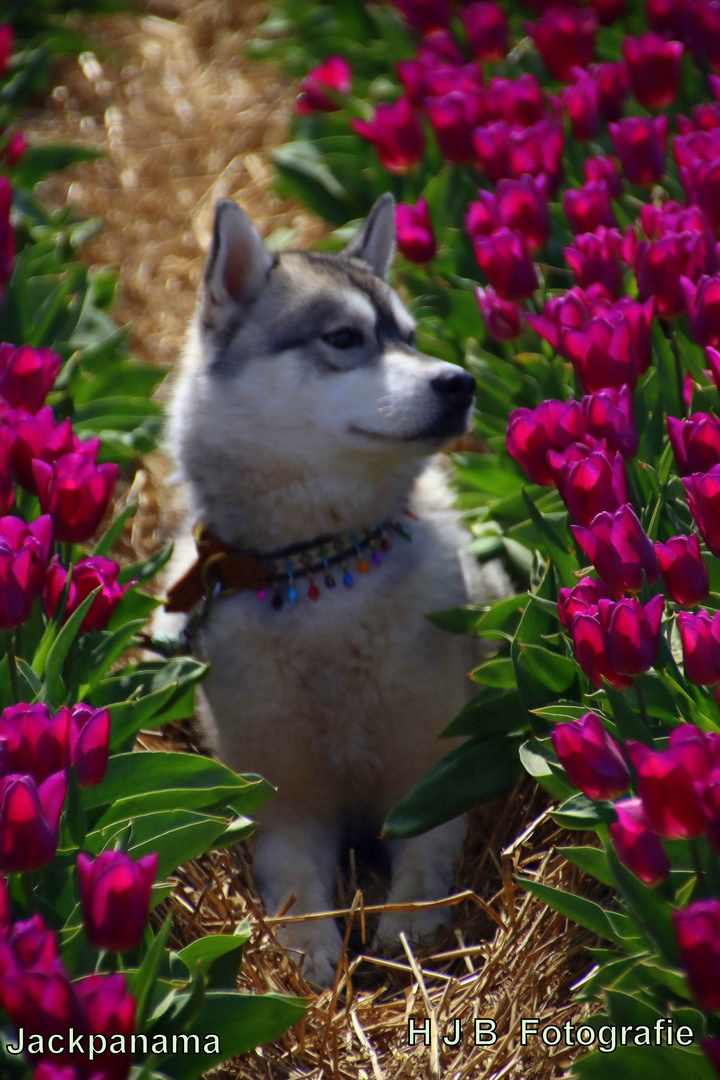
[75, 493]
[396, 133]
[29, 820]
[87, 575]
[24, 553]
[684, 574]
[414, 232]
[697, 930]
[591, 758]
[619, 549]
[637, 846]
[332, 74]
[115, 898]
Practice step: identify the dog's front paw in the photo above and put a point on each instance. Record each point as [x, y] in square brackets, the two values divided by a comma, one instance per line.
[317, 945]
[419, 927]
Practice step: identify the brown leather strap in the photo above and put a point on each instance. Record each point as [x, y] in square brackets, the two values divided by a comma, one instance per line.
[216, 562]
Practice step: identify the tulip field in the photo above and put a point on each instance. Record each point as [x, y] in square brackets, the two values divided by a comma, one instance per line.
[557, 171]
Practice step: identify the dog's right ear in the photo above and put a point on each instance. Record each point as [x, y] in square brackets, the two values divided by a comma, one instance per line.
[237, 265]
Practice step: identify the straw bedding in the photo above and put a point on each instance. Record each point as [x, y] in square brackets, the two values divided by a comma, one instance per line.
[184, 121]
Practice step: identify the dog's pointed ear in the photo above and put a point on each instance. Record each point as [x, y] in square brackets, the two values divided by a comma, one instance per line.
[375, 242]
[238, 263]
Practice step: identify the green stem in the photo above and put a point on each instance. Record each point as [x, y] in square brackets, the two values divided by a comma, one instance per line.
[641, 704]
[697, 863]
[12, 668]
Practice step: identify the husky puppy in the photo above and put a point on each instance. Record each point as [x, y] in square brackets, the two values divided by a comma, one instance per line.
[304, 415]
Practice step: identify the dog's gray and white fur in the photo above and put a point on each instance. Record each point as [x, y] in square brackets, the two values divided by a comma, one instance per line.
[303, 408]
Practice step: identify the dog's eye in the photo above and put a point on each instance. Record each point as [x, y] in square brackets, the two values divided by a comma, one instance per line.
[349, 337]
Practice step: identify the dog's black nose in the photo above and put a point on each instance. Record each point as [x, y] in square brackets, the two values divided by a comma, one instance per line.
[456, 388]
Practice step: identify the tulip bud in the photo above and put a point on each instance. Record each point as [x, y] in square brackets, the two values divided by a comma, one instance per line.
[522, 206]
[596, 257]
[638, 848]
[531, 433]
[631, 633]
[582, 597]
[591, 650]
[591, 758]
[700, 639]
[335, 74]
[666, 782]
[703, 492]
[396, 133]
[88, 741]
[639, 142]
[564, 39]
[29, 820]
[589, 207]
[703, 305]
[115, 898]
[697, 930]
[684, 574]
[503, 318]
[504, 259]
[487, 30]
[609, 415]
[75, 493]
[24, 552]
[619, 549]
[654, 66]
[581, 104]
[597, 483]
[424, 15]
[27, 375]
[414, 232]
[35, 742]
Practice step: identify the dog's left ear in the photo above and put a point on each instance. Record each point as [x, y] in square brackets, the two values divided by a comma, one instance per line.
[237, 265]
[375, 242]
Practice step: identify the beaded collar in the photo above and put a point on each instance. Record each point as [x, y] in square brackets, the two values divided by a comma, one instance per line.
[220, 570]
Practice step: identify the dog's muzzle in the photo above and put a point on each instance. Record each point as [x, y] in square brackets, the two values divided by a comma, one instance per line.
[455, 392]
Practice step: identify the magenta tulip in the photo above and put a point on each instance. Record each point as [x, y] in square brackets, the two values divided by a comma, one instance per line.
[29, 820]
[609, 415]
[591, 758]
[703, 305]
[564, 39]
[504, 259]
[487, 30]
[36, 743]
[684, 574]
[580, 100]
[640, 143]
[613, 87]
[518, 101]
[520, 205]
[703, 492]
[698, 936]
[597, 257]
[654, 66]
[24, 553]
[631, 633]
[396, 133]
[491, 143]
[700, 639]
[334, 73]
[75, 493]
[42, 438]
[503, 319]
[453, 117]
[582, 597]
[115, 898]
[414, 232]
[538, 151]
[666, 782]
[619, 549]
[589, 207]
[638, 848]
[27, 375]
[108, 1009]
[424, 15]
[531, 433]
[598, 169]
[88, 742]
[590, 648]
[695, 442]
[592, 485]
[87, 575]
[602, 353]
